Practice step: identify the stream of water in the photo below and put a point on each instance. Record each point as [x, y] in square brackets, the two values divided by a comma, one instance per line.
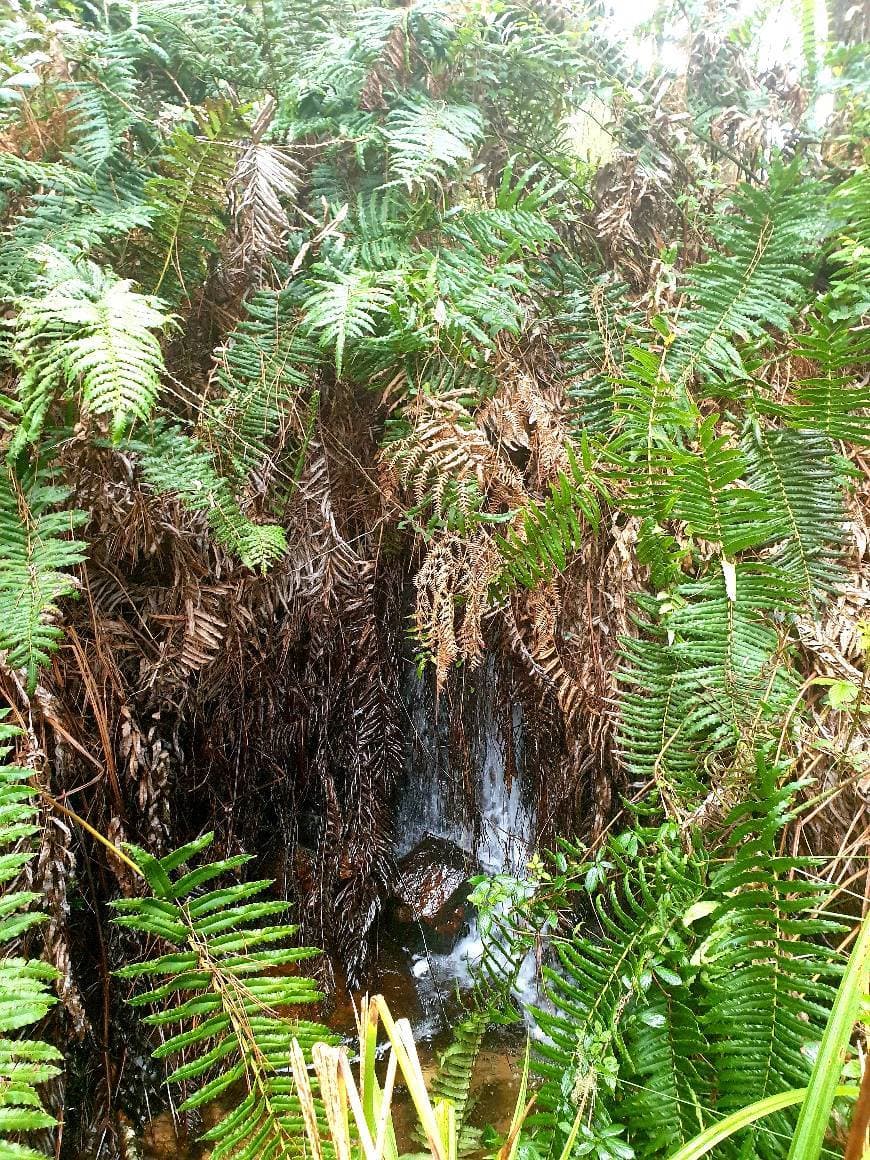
[496, 834]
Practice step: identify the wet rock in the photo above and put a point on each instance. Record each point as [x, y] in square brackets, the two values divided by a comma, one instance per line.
[430, 883]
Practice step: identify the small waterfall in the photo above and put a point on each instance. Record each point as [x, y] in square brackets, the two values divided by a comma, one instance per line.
[497, 830]
[497, 833]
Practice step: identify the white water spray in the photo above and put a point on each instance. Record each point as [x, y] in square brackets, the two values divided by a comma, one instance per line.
[497, 835]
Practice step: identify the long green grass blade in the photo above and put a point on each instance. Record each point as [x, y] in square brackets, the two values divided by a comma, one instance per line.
[707, 1140]
[816, 1111]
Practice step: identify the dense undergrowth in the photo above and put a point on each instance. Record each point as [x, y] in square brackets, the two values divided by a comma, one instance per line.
[347, 340]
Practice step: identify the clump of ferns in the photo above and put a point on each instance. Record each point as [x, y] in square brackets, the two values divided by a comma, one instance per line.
[669, 943]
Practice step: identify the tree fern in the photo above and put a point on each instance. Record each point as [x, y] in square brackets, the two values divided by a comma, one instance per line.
[35, 552]
[219, 988]
[25, 984]
[174, 463]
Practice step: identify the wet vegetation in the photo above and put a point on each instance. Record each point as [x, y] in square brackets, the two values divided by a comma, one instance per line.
[434, 531]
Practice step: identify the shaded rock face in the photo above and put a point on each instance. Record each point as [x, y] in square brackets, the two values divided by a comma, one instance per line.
[431, 882]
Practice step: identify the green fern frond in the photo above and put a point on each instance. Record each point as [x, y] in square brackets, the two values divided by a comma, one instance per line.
[75, 221]
[553, 530]
[697, 972]
[90, 330]
[429, 140]
[385, 221]
[262, 373]
[794, 473]
[516, 222]
[102, 107]
[25, 984]
[607, 991]
[344, 307]
[453, 1079]
[173, 463]
[755, 282]
[708, 673]
[210, 40]
[659, 550]
[35, 552]
[219, 988]
[653, 420]
[835, 400]
[706, 499]
[504, 232]
[769, 976]
[674, 1076]
[189, 202]
[478, 300]
[811, 17]
[849, 296]
[593, 326]
[20, 174]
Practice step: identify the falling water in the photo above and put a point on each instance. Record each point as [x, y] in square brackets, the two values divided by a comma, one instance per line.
[497, 834]
[498, 831]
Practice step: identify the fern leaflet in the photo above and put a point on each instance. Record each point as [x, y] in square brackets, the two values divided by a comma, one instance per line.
[35, 551]
[25, 984]
[218, 989]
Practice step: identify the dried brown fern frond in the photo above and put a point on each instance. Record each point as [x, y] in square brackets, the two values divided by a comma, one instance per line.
[204, 625]
[634, 215]
[324, 563]
[391, 70]
[263, 185]
[453, 587]
[52, 874]
[446, 461]
[526, 414]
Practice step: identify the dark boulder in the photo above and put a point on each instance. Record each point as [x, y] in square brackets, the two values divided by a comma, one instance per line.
[432, 883]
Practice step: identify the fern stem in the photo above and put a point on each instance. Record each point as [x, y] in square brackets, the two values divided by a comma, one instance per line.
[95, 834]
